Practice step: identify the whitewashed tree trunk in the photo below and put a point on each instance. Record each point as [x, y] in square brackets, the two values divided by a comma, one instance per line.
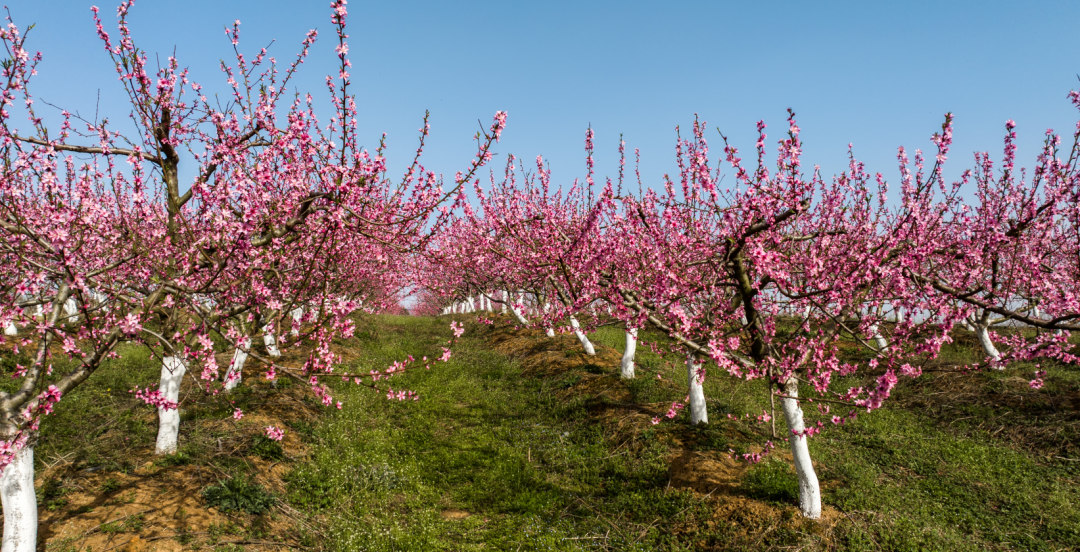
[11, 329]
[879, 340]
[297, 314]
[584, 339]
[549, 331]
[235, 373]
[506, 299]
[470, 304]
[70, 308]
[20, 503]
[628, 354]
[982, 333]
[172, 373]
[516, 310]
[809, 488]
[698, 412]
[270, 342]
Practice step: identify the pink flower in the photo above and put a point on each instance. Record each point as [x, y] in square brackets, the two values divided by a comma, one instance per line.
[457, 328]
[1038, 382]
[275, 433]
[237, 414]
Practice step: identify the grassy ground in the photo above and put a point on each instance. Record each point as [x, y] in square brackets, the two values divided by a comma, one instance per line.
[521, 442]
[101, 488]
[499, 456]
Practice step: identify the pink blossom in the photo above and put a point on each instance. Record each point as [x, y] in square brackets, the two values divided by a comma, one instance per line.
[275, 433]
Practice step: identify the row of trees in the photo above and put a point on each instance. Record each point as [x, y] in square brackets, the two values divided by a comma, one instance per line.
[773, 274]
[287, 225]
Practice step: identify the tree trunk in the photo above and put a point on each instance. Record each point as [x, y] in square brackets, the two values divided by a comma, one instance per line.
[584, 339]
[549, 331]
[698, 413]
[11, 329]
[967, 325]
[270, 342]
[172, 373]
[809, 489]
[516, 310]
[982, 333]
[297, 314]
[236, 367]
[879, 340]
[628, 354]
[20, 503]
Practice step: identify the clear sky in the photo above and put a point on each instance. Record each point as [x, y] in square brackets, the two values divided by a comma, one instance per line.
[875, 74]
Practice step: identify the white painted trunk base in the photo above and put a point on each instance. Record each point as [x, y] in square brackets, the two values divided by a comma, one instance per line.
[20, 503]
[270, 342]
[172, 373]
[628, 354]
[879, 340]
[11, 329]
[518, 316]
[698, 412]
[584, 339]
[236, 366]
[982, 333]
[809, 488]
[297, 314]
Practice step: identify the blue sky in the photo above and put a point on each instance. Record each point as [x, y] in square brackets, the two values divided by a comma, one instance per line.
[875, 74]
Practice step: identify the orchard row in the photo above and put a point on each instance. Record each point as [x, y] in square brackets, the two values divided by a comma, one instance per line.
[288, 227]
[783, 274]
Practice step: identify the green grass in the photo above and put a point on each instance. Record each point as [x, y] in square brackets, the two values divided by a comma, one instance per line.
[538, 473]
[531, 471]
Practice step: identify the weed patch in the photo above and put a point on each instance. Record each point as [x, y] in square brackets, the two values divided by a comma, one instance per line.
[238, 494]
